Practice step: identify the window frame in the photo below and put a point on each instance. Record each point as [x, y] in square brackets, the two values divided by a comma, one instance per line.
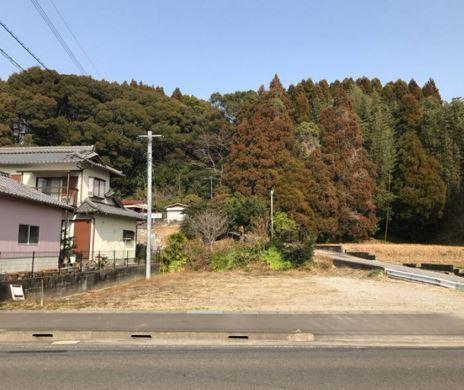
[101, 185]
[28, 234]
[128, 239]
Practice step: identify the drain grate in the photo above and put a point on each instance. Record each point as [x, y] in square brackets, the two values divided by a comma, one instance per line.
[238, 337]
[42, 334]
[141, 336]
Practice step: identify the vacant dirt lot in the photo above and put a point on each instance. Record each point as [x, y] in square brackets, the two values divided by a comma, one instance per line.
[296, 291]
[412, 253]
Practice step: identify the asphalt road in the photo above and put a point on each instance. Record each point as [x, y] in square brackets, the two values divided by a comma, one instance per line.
[112, 367]
[316, 323]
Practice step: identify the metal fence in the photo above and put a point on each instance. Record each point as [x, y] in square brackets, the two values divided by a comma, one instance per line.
[36, 261]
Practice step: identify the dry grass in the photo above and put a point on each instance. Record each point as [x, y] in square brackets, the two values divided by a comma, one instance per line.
[323, 288]
[411, 253]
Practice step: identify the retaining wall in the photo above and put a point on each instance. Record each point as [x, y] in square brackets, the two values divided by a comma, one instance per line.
[59, 285]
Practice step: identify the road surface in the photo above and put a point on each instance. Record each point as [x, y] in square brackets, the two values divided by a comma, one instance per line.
[112, 367]
[317, 323]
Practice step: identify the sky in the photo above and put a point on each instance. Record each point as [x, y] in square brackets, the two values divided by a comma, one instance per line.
[206, 46]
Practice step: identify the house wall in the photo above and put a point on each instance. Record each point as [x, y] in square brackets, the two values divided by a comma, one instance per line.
[14, 212]
[175, 214]
[107, 236]
[31, 172]
[91, 172]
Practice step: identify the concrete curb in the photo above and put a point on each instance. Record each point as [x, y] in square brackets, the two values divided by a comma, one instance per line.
[28, 336]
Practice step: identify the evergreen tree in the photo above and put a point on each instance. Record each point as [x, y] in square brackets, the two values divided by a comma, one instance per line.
[420, 191]
[350, 170]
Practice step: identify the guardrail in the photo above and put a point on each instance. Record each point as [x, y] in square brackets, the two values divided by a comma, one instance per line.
[416, 277]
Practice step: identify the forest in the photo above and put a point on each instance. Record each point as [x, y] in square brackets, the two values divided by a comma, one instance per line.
[345, 159]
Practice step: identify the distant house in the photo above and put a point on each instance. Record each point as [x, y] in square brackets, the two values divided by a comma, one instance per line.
[141, 207]
[175, 212]
[76, 175]
[30, 226]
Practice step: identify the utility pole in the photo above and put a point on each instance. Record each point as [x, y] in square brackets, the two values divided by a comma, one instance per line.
[272, 214]
[388, 208]
[149, 203]
[149, 137]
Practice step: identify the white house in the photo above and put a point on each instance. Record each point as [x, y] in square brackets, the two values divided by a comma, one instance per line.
[175, 212]
[76, 175]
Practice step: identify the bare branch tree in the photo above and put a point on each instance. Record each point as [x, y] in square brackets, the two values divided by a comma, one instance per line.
[210, 225]
[212, 148]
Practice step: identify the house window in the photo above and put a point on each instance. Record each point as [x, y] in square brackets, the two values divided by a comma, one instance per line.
[50, 186]
[97, 187]
[128, 235]
[28, 234]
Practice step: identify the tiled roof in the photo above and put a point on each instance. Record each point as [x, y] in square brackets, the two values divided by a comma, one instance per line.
[15, 189]
[90, 207]
[53, 155]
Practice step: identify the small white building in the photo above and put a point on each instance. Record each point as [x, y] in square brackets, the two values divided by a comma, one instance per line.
[175, 212]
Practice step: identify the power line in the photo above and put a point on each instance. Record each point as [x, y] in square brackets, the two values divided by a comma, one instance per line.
[9, 58]
[58, 36]
[23, 45]
[74, 36]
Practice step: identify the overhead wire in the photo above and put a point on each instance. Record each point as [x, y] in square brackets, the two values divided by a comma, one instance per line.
[58, 36]
[8, 30]
[74, 36]
[11, 59]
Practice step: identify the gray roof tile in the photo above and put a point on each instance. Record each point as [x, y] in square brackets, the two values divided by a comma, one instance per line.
[89, 207]
[10, 187]
[53, 155]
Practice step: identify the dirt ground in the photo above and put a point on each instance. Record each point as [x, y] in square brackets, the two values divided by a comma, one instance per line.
[411, 253]
[327, 290]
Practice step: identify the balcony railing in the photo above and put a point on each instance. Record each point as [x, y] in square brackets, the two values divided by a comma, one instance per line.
[63, 194]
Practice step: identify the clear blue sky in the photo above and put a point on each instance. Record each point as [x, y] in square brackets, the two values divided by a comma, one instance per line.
[203, 46]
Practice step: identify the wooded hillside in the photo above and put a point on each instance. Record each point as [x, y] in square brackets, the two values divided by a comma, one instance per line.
[342, 157]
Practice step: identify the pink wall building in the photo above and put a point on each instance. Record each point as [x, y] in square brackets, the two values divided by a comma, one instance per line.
[30, 222]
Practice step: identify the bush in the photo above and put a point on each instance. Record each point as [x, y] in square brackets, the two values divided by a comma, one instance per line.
[237, 257]
[295, 244]
[224, 261]
[275, 260]
[297, 252]
[173, 255]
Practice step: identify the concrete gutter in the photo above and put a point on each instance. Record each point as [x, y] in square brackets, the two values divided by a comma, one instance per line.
[395, 271]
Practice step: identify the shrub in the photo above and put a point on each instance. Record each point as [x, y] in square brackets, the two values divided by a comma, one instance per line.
[224, 261]
[275, 260]
[173, 255]
[297, 252]
[295, 244]
[238, 256]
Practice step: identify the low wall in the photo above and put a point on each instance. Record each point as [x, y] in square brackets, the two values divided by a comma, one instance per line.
[27, 264]
[56, 285]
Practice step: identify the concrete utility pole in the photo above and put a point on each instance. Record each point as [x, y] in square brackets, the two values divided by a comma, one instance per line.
[149, 203]
[149, 137]
[272, 214]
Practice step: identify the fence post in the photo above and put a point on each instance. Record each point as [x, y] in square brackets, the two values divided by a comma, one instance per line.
[114, 259]
[33, 261]
[127, 259]
[99, 263]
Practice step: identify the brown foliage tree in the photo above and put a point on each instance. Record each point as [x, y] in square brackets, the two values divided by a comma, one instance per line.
[351, 173]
